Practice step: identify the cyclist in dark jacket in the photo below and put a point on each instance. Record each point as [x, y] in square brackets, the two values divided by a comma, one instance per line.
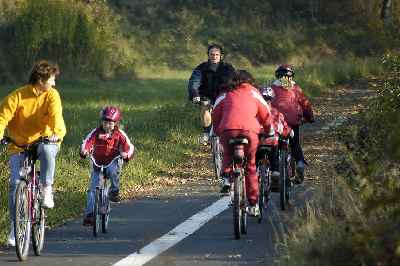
[203, 85]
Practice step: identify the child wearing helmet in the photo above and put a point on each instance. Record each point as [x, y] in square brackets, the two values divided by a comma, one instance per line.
[105, 143]
[281, 129]
[290, 100]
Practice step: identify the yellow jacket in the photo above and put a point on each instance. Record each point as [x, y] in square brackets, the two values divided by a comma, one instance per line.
[29, 114]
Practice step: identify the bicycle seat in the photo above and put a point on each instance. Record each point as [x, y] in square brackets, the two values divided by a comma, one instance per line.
[264, 148]
[241, 140]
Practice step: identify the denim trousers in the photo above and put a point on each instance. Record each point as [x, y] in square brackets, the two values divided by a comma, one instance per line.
[112, 172]
[47, 156]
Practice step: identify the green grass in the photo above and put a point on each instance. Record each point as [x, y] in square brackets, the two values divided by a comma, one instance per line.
[156, 117]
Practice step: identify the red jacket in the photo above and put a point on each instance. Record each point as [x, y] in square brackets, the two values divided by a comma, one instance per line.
[281, 128]
[244, 108]
[292, 103]
[106, 147]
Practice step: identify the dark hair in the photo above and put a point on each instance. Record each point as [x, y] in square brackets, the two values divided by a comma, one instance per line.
[216, 46]
[245, 77]
[228, 79]
[42, 70]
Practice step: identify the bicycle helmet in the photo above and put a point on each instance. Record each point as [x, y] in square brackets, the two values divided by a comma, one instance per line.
[267, 93]
[110, 113]
[284, 70]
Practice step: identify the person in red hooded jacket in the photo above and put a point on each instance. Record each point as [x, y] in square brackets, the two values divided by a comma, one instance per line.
[240, 112]
[105, 143]
[290, 100]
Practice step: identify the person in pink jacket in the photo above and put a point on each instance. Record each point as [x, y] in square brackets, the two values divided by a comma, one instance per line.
[105, 143]
[290, 100]
[282, 129]
[240, 112]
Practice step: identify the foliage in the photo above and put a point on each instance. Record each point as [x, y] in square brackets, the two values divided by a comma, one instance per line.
[83, 39]
[360, 226]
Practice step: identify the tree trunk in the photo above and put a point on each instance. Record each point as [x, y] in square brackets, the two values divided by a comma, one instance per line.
[386, 11]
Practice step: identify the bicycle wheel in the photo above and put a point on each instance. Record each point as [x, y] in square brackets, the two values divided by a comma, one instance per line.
[237, 189]
[22, 225]
[283, 179]
[96, 212]
[262, 176]
[243, 206]
[105, 216]
[217, 156]
[38, 229]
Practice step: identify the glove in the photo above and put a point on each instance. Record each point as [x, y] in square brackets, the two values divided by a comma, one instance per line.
[196, 100]
[53, 138]
[83, 154]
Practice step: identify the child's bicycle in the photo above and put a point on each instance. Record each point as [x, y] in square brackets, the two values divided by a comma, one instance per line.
[102, 206]
[264, 177]
[30, 214]
[287, 172]
[238, 175]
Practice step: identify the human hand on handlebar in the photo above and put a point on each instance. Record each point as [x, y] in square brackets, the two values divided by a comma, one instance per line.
[196, 100]
[54, 138]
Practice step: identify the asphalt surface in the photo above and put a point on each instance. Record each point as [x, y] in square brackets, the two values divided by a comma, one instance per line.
[134, 224]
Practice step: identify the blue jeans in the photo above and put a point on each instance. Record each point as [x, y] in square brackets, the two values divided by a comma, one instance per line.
[47, 156]
[112, 172]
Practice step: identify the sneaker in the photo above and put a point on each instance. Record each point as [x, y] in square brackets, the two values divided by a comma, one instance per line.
[11, 239]
[299, 178]
[254, 210]
[203, 139]
[225, 185]
[114, 196]
[48, 201]
[88, 220]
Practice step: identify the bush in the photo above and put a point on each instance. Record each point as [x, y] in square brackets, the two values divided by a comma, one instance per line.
[82, 38]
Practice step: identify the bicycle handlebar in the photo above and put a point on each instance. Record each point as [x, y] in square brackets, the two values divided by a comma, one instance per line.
[6, 140]
[102, 165]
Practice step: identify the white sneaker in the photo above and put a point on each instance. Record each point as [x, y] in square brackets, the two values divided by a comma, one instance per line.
[225, 185]
[203, 139]
[48, 201]
[254, 210]
[11, 239]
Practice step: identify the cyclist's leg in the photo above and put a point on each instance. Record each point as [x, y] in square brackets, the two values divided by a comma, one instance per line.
[47, 156]
[113, 172]
[94, 180]
[251, 178]
[295, 146]
[226, 161]
[15, 162]
[205, 117]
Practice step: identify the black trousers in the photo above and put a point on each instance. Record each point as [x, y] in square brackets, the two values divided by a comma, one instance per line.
[295, 147]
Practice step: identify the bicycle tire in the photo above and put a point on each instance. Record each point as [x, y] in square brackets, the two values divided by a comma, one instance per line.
[22, 224]
[96, 213]
[217, 157]
[105, 217]
[243, 205]
[38, 227]
[236, 206]
[283, 179]
[262, 175]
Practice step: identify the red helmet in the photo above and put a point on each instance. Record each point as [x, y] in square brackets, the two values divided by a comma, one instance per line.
[284, 70]
[110, 113]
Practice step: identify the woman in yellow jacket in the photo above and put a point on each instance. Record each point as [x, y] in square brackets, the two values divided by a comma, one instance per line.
[28, 113]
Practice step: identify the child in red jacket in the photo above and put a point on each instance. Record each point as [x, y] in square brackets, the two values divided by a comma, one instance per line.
[281, 129]
[240, 112]
[105, 143]
[290, 100]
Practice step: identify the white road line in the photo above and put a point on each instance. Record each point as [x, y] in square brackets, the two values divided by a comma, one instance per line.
[171, 238]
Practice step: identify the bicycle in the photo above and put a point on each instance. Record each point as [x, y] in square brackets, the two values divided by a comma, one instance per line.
[216, 147]
[264, 176]
[238, 176]
[30, 214]
[286, 170]
[102, 205]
